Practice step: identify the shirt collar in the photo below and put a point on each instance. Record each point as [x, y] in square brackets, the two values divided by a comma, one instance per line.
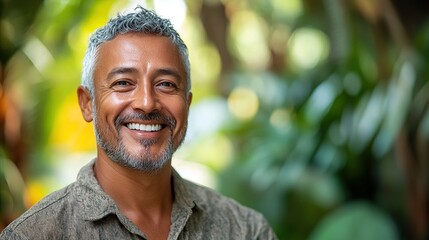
[182, 194]
[95, 204]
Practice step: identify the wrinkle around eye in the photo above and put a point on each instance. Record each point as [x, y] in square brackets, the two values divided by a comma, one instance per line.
[121, 82]
[122, 85]
[168, 84]
[168, 87]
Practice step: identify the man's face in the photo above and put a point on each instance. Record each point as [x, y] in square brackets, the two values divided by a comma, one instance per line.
[140, 103]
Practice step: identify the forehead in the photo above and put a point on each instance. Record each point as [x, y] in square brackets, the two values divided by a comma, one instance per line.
[139, 50]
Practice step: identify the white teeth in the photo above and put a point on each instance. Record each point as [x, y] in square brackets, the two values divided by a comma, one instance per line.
[144, 127]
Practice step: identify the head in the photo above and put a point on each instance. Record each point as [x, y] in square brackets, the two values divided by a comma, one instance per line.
[140, 21]
[136, 89]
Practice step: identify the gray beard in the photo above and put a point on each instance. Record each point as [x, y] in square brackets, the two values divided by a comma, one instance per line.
[147, 162]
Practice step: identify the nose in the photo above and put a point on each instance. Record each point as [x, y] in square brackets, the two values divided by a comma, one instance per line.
[145, 99]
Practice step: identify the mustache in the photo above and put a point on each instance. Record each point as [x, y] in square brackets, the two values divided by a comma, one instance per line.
[153, 116]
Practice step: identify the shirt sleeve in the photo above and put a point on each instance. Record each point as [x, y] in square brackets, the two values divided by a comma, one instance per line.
[263, 230]
[8, 234]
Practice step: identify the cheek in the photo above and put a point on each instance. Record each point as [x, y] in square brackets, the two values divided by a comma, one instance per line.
[108, 109]
[110, 100]
[179, 109]
[176, 108]
[181, 115]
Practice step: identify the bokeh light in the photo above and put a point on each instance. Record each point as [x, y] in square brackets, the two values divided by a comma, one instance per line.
[243, 103]
[308, 47]
[248, 34]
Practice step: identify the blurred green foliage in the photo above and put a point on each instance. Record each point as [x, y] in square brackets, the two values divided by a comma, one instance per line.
[313, 112]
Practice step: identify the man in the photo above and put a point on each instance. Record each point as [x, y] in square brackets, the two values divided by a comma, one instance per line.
[136, 90]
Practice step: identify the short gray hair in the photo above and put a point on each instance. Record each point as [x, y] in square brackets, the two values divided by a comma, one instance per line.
[143, 21]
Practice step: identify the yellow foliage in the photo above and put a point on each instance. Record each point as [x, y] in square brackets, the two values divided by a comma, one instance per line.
[36, 190]
[70, 132]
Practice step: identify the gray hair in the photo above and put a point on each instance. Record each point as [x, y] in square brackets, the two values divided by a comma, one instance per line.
[143, 21]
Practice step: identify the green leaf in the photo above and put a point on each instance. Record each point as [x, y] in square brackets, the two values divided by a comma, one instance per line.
[356, 221]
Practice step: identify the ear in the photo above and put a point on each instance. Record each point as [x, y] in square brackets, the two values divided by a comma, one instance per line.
[85, 103]
[189, 99]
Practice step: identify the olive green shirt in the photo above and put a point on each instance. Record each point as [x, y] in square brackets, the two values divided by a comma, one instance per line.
[82, 210]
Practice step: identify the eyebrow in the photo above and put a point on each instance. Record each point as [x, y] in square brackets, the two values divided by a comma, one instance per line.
[132, 70]
[121, 70]
[168, 71]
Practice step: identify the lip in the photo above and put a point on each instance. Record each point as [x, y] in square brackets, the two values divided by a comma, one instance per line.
[140, 126]
[152, 127]
[138, 135]
[144, 129]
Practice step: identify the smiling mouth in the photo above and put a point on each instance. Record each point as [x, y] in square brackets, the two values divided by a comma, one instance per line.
[144, 127]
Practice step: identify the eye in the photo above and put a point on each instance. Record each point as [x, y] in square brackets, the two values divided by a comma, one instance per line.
[121, 83]
[167, 86]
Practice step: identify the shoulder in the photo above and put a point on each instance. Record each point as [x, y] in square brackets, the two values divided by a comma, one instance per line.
[43, 216]
[228, 213]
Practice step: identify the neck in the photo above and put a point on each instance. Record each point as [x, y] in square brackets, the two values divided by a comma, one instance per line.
[145, 198]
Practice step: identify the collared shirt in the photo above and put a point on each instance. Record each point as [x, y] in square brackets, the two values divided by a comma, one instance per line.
[82, 210]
